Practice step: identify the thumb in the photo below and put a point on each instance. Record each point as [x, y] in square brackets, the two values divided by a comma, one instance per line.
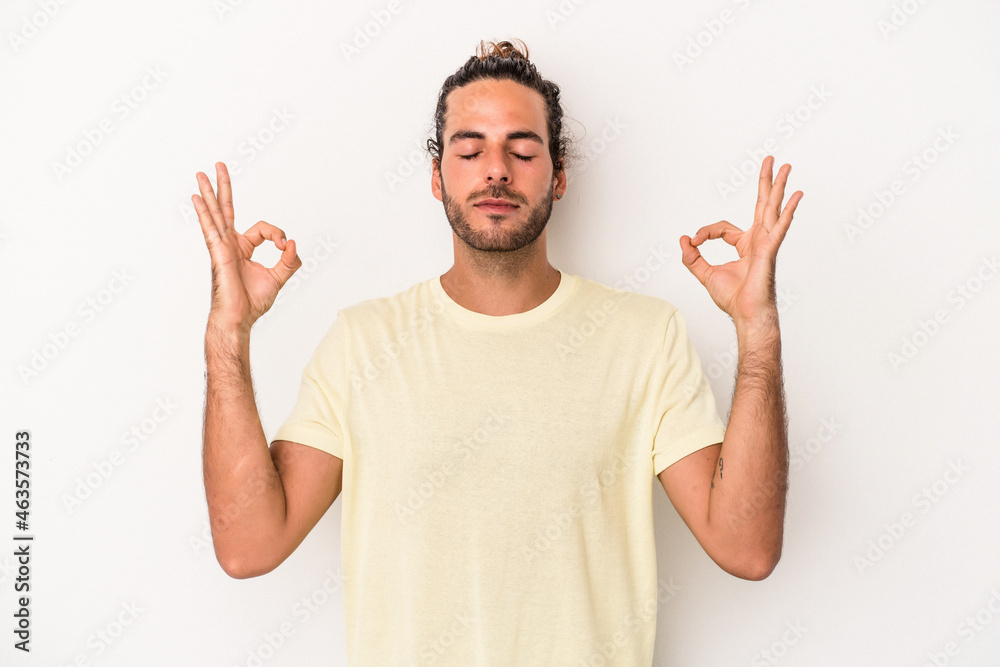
[692, 259]
[288, 263]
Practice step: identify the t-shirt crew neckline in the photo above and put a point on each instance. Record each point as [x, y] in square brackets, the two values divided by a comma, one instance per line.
[506, 322]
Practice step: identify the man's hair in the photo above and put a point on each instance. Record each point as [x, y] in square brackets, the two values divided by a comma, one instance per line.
[499, 61]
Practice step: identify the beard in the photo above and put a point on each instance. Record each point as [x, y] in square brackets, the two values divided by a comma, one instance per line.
[495, 238]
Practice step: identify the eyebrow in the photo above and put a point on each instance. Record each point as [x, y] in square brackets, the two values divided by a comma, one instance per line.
[511, 136]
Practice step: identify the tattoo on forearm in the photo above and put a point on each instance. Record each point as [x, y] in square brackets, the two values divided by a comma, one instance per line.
[720, 473]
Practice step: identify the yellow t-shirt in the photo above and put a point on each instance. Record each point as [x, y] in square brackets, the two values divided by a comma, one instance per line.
[499, 470]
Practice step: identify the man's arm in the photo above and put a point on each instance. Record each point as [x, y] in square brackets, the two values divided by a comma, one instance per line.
[262, 502]
[738, 513]
[732, 494]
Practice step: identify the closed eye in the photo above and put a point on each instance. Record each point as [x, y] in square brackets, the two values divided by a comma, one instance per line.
[519, 157]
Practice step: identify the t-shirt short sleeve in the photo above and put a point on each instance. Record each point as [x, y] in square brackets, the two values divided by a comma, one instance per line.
[685, 406]
[317, 420]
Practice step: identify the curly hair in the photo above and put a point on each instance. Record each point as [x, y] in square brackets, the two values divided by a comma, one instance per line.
[499, 61]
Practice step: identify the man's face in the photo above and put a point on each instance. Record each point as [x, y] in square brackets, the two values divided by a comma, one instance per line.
[495, 146]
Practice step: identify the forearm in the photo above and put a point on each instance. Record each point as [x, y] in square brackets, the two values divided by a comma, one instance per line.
[747, 497]
[246, 501]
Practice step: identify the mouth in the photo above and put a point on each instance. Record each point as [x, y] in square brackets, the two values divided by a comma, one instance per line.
[496, 205]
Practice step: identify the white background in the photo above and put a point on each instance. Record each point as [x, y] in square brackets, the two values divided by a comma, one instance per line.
[867, 436]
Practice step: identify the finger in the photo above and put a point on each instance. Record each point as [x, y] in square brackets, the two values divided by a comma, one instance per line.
[781, 227]
[692, 259]
[208, 194]
[287, 264]
[265, 230]
[773, 208]
[208, 227]
[225, 194]
[763, 189]
[723, 229]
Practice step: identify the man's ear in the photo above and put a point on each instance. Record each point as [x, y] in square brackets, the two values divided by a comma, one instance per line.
[436, 179]
[559, 188]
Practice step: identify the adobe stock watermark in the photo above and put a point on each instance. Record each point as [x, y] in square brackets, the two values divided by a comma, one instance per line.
[899, 16]
[703, 40]
[249, 148]
[121, 108]
[779, 648]
[724, 363]
[260, 483]
[562, 12]
[369, 370]
[257, 142]
[593, 149]
[366, 33]
[968, 629]
[8, 569]
[106, 636]
[42, 357]
[301, 611]
[323, 249]
[559, 523]
[225, 7]
[415, 162]
[884, 199]
[596, 317]
[32, 24]
[132, 439]
[447, 467]
[800, 454]
[430, 651]
[605, 651]
[748, 171]
[927, 329]
[923, 501]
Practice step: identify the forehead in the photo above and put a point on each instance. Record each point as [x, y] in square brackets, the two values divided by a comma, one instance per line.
[492, 107]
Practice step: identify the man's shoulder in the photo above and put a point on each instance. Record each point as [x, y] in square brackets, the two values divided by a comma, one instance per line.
[393, 307]
[634, 305]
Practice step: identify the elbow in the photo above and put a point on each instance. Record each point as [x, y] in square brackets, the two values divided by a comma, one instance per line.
[761, 567]
[239, 567]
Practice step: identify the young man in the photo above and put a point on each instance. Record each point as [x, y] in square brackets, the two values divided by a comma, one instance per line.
[495, 429]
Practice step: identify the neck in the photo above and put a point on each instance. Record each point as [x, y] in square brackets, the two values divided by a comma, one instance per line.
[500, 283]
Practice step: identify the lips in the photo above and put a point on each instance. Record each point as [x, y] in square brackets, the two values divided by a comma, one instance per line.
[497, 203]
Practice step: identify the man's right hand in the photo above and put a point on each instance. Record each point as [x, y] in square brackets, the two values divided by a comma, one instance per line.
[242, 290]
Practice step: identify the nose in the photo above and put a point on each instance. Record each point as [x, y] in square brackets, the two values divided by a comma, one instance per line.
[497, 168]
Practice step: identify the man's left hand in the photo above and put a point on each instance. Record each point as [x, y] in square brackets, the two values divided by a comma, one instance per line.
[744, 288]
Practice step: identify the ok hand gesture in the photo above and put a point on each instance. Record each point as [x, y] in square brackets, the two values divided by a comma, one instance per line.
[242, 290]
[744, 288]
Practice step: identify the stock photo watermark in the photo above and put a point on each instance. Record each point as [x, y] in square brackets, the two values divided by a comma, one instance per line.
[42, 357]
[923, 501]
[778, 649]
[884, 199]
[927, 329]
[562, 12]
[968, 629]
[103, 469]
[899, 16]
[644, 611]
[701, 41]
[302, 611]
[786, 126]
[444, 470]
[366, 33]
[32, 24]
[106, 636]
[122, 107]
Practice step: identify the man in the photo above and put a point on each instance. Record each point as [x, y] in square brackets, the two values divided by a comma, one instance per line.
[495, 429]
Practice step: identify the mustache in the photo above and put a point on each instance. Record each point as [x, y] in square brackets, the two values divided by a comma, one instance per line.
[497, 193]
